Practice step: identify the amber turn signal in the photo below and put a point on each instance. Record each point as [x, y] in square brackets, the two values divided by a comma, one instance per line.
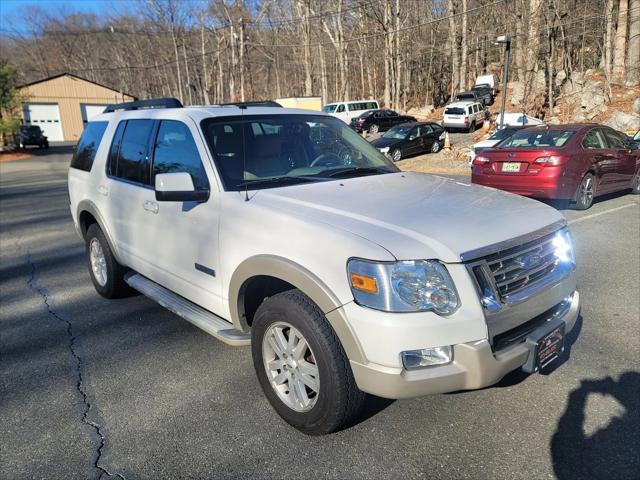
[364, 283]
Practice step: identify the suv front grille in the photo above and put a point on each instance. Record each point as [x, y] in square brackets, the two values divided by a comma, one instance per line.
[517, 268]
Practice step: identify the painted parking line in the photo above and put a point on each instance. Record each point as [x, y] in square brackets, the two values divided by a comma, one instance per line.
[594, 215]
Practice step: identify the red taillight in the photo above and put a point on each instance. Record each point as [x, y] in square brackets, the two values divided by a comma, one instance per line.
[479, 160]
[466, 119]
[360, 121]
[553, 160]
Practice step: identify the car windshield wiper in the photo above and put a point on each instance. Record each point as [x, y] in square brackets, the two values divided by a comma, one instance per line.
[276, 181]
[346, 172]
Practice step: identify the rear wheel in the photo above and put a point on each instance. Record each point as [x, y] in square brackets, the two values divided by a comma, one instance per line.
[301, 365]
[584, 195]
[635, 185]
[374, 128]
[471, 127]
[396, 155]
[107, 274]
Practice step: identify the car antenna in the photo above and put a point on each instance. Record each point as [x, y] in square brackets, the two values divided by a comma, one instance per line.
[244, 155]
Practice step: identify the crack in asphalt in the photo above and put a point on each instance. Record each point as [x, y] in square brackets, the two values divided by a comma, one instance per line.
[31, 282]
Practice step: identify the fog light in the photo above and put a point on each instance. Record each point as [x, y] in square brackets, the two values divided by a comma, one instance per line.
[427, 357]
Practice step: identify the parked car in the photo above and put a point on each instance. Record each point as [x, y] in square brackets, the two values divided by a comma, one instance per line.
[568, 162]
[486, 92]
[410, 138]
[375, 121]
[346, 111]
[344, 274]
[490, 80]
[31, 135]
[470, 96]
[463, 115]
[495, 138]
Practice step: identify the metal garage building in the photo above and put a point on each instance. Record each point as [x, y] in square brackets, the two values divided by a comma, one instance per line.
[62, 104]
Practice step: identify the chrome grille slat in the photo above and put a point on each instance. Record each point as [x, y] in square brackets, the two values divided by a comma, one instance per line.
[526, 273]
[520, 252]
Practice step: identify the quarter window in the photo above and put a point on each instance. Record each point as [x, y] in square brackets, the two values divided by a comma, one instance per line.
[175, 151]
[88, 146]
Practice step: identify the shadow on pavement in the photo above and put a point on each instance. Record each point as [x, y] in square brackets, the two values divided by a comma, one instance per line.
[610, 452]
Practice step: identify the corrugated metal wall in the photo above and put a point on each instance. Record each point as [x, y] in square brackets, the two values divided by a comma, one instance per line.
[70, 93]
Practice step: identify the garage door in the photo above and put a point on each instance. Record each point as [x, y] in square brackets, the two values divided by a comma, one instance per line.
[47, 117]
[90, 111]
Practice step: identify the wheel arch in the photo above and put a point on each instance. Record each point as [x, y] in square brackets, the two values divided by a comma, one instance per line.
[88, 214]
[289, 274]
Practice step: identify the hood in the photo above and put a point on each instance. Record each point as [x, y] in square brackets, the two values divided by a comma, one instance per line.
[414, 215]
[385, 142]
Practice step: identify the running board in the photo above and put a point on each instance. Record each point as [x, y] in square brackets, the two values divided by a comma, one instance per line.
[201, 318]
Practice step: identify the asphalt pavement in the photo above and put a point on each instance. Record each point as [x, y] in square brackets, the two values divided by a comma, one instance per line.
[92, 388]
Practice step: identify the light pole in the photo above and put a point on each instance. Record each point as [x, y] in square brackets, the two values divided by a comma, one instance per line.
[505, 73]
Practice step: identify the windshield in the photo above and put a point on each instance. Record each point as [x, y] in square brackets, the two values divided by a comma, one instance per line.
[399, 133]
[537, 139]
[502, 134]
[33, 129]
[255, 148]
[329, 108]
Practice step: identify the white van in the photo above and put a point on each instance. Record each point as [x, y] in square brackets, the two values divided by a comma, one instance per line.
[490, 80]
[345, 111]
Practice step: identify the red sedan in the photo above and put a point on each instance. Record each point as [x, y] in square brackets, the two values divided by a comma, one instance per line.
[568, 162]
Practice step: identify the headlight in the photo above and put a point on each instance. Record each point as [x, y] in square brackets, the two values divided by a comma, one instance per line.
[563, 245]
[384, 149]
[407, 286]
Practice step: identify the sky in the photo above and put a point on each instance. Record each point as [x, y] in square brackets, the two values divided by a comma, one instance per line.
[12, 11]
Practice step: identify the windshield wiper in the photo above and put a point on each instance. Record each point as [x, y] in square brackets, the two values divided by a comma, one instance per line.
[345, 172]
[275, 181]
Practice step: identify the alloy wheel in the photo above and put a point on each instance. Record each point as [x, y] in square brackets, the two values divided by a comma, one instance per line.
[291, 366]
[98, 262]
[586, 190]
[435, 148]
[373, 129]
[396, 155]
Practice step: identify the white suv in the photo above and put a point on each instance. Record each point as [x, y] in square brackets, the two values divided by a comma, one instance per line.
[284, 229]
[463, 115]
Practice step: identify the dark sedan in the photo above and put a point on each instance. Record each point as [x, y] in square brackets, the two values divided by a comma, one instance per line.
[374, 121]
[409, 139]
[485, 91]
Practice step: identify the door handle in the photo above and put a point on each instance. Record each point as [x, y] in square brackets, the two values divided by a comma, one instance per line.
[102, 190]
[150, 206]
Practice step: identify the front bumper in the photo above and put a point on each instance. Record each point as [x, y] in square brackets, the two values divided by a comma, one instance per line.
[474, 366]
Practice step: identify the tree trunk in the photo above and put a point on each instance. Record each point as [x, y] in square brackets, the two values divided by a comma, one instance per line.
[205, 70]
[533, 49]
[463, 48]
[633, 52]
[620, 43]
[607, 52]
[453, 45]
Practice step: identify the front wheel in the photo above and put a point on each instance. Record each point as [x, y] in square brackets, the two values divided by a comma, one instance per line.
[435, 148]
[396, 155]
[584, 195]
[301, 365]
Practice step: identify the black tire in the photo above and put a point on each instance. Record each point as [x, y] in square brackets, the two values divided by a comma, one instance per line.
[115, 286]
[395, 153]
[585, 193]
[471, 127]
[635, 185]
[374, 128]
[435, 148]
[339, 401]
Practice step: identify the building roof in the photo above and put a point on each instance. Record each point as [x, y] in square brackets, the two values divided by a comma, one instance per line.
[77, 78]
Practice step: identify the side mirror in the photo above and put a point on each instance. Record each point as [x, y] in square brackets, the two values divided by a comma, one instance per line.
[412, 137]
[178, 187]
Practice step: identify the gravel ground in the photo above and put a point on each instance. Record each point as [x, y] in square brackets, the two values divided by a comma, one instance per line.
[92, 388]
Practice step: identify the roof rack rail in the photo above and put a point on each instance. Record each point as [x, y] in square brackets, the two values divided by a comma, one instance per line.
[251, 103]
[139, 104]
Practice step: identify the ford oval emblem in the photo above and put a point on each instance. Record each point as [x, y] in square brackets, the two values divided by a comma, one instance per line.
[529, 261]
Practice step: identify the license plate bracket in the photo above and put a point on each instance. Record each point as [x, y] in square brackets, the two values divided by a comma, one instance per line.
[546, 345]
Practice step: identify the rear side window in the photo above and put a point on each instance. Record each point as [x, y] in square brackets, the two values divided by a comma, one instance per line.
[88, 146]
[128, 157]
[340, 108]
[175, 151]
[593, 140]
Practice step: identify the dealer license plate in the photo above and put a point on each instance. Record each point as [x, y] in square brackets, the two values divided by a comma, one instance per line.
[511, 167]
[546, 345]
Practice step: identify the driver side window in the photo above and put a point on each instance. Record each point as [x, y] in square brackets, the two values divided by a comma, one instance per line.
[340, 108]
